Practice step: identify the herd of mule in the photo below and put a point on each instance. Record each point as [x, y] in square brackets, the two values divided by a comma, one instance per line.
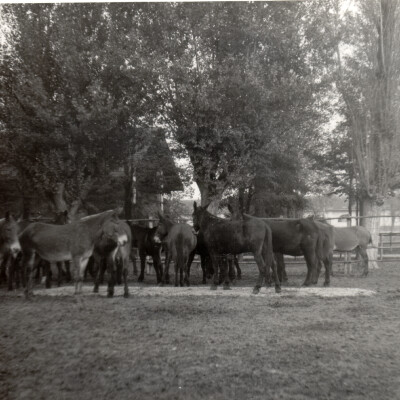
[106, 241]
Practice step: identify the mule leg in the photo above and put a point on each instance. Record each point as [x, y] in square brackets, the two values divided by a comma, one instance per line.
[190, 261]
[11, 269]
[48, 273]
[142, 265]
[60, 272]
[112, 273]
[28, 263]
[186, 267]
[364, 255]
[133, 257]
[214, 261]
[311, 260]
[328, 268]
[203, 268]
[125, 264]
[158, 266]
[261, 272]
[68, 277]
[165, 278]
[79, 272]
[180, 275]
[3, 269]
[227, 266]
[119, 268]
[176, 274]
[232, 272]
[238, 270]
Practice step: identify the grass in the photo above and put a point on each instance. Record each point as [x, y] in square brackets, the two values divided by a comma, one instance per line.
[191, 347]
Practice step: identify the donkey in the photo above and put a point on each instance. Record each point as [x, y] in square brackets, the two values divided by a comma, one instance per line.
[73, 241]
[235, 237]
[107, 250]
[180, 241]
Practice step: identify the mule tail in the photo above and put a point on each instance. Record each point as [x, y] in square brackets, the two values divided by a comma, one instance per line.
[179, 251]
[269, 260]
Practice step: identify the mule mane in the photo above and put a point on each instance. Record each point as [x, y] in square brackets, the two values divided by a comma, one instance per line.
[88, 217]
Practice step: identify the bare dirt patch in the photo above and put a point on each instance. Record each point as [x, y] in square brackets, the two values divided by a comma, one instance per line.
[192, 343]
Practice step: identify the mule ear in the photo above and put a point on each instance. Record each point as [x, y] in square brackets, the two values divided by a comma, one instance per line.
[160, 216]
[195, 206]
[8, 215]
[206, 206]
[65, 213]
[230, 209]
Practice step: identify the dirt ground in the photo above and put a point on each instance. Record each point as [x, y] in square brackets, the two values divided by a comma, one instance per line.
[163, 343]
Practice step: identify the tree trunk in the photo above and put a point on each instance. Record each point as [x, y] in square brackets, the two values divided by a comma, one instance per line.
[370, 208]
[58, 198]
[210, 196]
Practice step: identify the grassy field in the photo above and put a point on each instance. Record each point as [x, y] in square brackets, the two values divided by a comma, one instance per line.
[163, 346]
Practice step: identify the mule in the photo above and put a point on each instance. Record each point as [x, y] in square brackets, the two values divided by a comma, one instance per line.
[106, 250]
[61, 218]
[352, 238]
[234, 237]
[324, 251]
[15, 271]
[297, 237]
[180, 241]
[73, 241]
[207, 269]
[9, 242]
[143, 239]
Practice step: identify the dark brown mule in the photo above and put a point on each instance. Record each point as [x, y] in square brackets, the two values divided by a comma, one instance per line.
[352, 238]
[298, 237]
[180, 241]
[324, 251]
[9, 242]
[107, 250]
[74, 242]
[234, 237]
[143, 240]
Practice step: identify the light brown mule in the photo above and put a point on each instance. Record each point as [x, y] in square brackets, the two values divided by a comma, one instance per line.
[54, 243]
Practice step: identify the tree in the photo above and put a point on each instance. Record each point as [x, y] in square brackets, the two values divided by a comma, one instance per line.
[365, 67]
[236, 86]
[70, 91]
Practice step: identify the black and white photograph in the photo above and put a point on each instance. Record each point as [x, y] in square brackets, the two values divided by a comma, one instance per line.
[200, 200]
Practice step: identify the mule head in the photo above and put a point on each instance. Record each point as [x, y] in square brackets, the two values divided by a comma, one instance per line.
[114, 232]
[198, 212]
[162, 229]
[62, 218]
[9, 230]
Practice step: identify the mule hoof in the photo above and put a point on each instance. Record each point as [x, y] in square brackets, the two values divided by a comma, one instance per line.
[278, 289]
[110, 294]
[213, 287]
[227, 287]
[256, 290]
[126, 295]
[95, 290]
[161, 284]
[140, 279]
[326, 284]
